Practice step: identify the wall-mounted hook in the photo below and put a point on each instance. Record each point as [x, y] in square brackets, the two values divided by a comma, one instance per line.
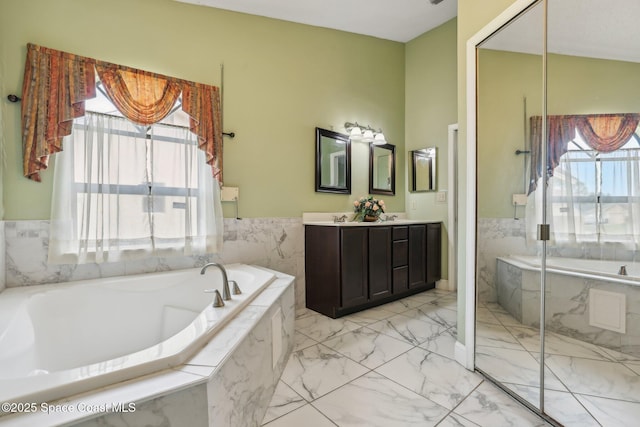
[229, 134]
[14, 98]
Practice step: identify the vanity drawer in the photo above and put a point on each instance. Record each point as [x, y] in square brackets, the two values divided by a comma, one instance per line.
[400, 233]
[400, 279]
[400, 253]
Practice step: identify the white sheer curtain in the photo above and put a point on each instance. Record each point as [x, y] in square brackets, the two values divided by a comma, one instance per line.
[591, 198]
[620, 217]
[122, 192]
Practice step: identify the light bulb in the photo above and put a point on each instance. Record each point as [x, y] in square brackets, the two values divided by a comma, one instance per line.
[379, 139]
[356, 133]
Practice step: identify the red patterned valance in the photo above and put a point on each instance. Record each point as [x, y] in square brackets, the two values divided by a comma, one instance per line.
[602, 132]
[56, 84]
[607, 132]
[142, 97]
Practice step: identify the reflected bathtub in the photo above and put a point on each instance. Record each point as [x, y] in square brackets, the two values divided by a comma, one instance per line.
[64, 339]
[587, 268]
[569, 298]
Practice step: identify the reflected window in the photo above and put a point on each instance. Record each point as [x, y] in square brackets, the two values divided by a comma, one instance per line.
[595, 196]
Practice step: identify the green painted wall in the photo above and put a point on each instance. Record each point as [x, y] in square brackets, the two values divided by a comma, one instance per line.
[576, 85]
[504, 80]
[430, 107]
[281, 81]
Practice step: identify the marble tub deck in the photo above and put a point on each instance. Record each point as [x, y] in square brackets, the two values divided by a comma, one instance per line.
[586, 384]
[388, 366]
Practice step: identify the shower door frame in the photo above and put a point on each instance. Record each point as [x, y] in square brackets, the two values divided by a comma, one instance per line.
[466, 355]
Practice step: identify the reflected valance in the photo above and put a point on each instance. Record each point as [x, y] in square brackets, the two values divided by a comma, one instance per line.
[602, 132]
[56, 85]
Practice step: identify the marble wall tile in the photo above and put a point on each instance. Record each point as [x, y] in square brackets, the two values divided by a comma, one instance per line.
[240, 390]
[506, 236]
[169, 410]
[498, 237]
[567, 307]
[276, 243]
[509, 288]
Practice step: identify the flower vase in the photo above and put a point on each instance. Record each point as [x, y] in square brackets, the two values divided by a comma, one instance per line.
[370, 218]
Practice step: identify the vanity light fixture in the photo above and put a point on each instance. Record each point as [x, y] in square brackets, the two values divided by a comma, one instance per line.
[367, 135]
[379, 139]
[358, 132]
[354, 130]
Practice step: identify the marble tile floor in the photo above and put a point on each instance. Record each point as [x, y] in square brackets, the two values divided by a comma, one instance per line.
[388, 366]
[586, 385]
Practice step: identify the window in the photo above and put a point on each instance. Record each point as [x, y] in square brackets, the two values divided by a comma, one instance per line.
[595, 197]
[125, 191]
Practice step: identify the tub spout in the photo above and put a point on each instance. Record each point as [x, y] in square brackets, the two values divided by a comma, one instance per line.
[226, 294]
[623, 270]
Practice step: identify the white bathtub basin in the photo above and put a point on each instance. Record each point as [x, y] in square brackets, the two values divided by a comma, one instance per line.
[59, 340]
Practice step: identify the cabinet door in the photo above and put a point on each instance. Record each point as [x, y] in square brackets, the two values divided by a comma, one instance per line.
[417, 255]
[353, 254]
[434, 235]
[379, 262]
[400, 279]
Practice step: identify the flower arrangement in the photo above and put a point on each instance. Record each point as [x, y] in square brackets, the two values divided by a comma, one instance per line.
[367, 209]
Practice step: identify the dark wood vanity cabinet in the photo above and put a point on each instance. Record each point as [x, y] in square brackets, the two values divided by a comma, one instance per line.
[350, 268]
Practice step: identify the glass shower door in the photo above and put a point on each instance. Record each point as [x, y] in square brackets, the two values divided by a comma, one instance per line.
[509, 100]
[592, 326]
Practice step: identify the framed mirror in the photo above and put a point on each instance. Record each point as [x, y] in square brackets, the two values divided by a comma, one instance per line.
[423, 171]
[382, 169]
[333, 162]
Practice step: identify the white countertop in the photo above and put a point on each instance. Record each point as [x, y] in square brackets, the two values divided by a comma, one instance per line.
[327, 219]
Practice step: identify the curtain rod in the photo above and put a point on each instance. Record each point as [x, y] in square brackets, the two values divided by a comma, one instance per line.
[16, 98]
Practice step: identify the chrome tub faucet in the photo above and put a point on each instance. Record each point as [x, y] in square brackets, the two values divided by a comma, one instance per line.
[226, 294]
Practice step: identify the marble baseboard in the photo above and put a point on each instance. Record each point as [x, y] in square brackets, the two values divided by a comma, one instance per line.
[275, 243]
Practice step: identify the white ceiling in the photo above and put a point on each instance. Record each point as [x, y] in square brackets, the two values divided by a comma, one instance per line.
[397, 20]
[593, 28]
